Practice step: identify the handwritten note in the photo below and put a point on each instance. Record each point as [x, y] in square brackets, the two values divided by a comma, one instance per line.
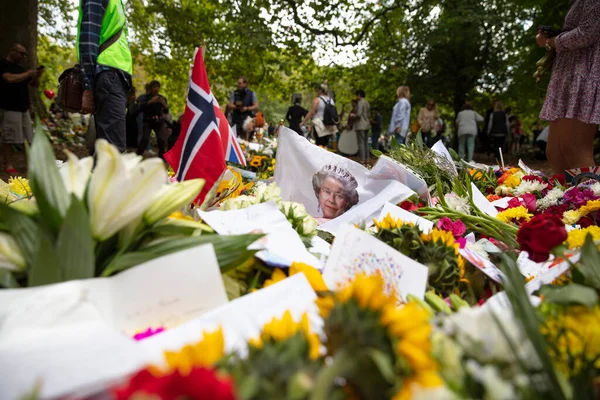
[355, 251]
[165, 291]
[396, 212]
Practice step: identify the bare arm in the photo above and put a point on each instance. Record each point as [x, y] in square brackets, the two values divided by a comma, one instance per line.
[313, 110]
[585, 35]
[17, 78]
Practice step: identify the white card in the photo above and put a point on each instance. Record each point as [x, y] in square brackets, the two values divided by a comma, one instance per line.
[282, 243]
[440, 149]
[165, 291]
[487, 267]
[556, 269]
[482, 203]
[242, 318]
[355, 251]
[396, 212]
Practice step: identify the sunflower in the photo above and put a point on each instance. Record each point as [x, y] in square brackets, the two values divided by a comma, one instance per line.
[281, 329]
[202, 354]
[363, 320]
[388, 222]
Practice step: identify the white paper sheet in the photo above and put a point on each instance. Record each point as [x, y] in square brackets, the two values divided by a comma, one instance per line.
[387, 168]
[242, 318]
[502, 203]
[282, 243]
[482, 203]
[165, 291]
[424, 225]
[355, 251]
[440, 149]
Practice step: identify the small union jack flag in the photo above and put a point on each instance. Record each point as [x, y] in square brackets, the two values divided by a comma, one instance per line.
[200, 151]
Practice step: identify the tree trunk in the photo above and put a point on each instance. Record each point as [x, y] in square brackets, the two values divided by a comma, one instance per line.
[20, 25]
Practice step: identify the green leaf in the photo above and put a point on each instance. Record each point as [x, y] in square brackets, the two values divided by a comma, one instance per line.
[376, 153]
[231, 251]
[23, 229]
[419, 140]
[383, 363]
[570, 294]
[45, 181]
[75, 246]
[7, 280]
[589, 263]
[46, 268]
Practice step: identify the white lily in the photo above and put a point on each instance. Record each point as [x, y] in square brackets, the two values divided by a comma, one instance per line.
[171, 198]
[10, 254]
[122, 187]
[76, 173]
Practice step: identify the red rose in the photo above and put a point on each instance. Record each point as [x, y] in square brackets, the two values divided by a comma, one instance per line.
[540, 235]
[560, 178]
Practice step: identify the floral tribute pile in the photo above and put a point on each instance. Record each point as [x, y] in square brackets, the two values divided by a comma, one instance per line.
[511, 309]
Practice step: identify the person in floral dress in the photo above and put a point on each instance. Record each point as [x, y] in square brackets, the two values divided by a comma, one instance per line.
[573, 97]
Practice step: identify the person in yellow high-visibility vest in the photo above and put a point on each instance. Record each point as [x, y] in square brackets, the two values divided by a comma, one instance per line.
[103, 52]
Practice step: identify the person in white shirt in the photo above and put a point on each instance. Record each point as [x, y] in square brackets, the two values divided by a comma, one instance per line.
[467, 124]
[401, 115]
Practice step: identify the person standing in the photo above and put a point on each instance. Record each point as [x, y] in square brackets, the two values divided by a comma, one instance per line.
[103, 52]
[15, 122]
[131, 119]
[154, 109]
[322, 129]
[572, 102]
[243, 103]
[295, 115]
[376, 128]
[361, 126]
[401, 115]
[467, 127]
[498, 129]
[427, 118]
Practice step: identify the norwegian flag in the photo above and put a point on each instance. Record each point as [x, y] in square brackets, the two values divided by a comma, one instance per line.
[231, 147]
[200, 151]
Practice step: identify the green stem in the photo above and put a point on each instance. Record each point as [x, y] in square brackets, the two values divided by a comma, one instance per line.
[342, 364]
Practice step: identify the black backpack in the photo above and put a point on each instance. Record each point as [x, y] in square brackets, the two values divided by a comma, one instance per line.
[330, 115]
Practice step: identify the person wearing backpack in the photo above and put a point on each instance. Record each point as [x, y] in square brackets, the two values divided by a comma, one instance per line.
[324, 117]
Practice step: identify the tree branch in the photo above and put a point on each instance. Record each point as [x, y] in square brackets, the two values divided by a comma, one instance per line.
[336, 33]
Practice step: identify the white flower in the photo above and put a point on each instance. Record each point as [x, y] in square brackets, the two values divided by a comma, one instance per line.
[457, 203]
[551, 199]
[239, 202]
[171, 198]
[477, 332]
[503, 190]
[268, 152]
[293, 210]
[10, 254]
[595, 188]
[529, 187]
[490, 378]
[309, 226]
[122, 187]
[60, 163]
[75, 173]
[269, 192]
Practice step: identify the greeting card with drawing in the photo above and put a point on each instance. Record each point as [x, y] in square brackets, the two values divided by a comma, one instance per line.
[355, 251]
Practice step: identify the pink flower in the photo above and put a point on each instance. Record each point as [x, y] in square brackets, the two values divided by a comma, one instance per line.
[462, 242]
[529, 201]
[456, 228]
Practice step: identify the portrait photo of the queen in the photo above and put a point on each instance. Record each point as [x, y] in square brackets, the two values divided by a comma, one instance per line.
[336, 191]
